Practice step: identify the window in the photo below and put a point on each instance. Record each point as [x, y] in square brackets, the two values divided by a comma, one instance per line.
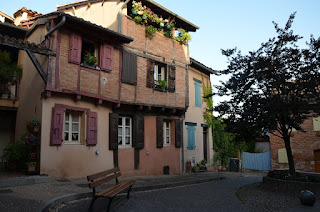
[91, 48]
[160, 77]
[191, 137]
[69, 125]
[78, 46]
[124, 132]
[197, 88]
[72, 127]
[160, 73]
[129, 68]
[166, 133]
[316, 123]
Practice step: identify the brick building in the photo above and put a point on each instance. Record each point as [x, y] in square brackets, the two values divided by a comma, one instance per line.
[113, 113]
[305, 148]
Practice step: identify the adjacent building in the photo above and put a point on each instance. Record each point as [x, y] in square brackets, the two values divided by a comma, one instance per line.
[305, 148]
[198, 144]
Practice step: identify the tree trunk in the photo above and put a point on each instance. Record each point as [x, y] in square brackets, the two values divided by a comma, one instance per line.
[292, 169]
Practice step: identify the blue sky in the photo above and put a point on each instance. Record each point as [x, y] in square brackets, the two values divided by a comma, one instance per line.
[226, 24]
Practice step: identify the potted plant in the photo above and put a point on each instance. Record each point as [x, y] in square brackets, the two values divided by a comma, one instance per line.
[9, 71]
[12, 154]
[33, 126]
[89, 59]
[31, 166]
[162, 84]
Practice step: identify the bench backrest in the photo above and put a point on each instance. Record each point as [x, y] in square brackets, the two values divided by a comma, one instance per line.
[103, 177]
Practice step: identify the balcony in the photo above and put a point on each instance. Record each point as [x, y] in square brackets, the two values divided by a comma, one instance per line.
[9, 94]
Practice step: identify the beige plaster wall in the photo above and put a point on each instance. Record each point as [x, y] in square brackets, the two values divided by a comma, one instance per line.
[101, 14]
[74, 161]
[31, 85]
[195, 114]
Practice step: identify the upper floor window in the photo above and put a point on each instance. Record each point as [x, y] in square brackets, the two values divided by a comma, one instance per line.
[80, 47]
[197, 91]
[161, 76]
[89, 53]
[124, 132]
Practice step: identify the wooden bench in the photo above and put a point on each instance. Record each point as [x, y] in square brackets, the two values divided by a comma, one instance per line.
[100, 178]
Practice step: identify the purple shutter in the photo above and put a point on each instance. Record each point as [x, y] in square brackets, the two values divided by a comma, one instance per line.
[75, 49]
[106, 57]
[56, 126]
[92, 128]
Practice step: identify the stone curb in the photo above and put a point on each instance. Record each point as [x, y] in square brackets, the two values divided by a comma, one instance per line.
[70, 197]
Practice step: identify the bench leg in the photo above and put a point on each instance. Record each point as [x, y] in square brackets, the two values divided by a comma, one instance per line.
[129, 192]
[92, 203]
[110, 200]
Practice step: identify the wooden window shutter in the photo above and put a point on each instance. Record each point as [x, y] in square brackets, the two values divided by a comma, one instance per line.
[172, 77]
[57, 126]
[191, 138]
[106, 57]
[75, 49]
[113, 131]
[159, 132]
[178, 133]
[197, 92]
[150, 74]
[139, 129]
[129, 68]
[92, 128]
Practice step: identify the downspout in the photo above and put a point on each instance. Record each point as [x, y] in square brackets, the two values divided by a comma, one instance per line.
[120, 16]
[182, 149]
[62, 22]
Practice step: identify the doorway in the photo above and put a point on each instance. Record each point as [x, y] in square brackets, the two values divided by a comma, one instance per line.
[205, 138]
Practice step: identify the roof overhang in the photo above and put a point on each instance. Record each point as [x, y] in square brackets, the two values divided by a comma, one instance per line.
[12, 30]
[93, 30]
[154, 6]
[201, 67]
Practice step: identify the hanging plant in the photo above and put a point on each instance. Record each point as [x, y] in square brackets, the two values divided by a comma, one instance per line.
[183, 36]
[150, 31]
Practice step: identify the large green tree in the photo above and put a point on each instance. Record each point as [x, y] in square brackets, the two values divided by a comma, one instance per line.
[275, 87]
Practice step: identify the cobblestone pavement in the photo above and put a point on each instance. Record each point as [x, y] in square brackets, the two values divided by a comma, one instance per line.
[210, 196]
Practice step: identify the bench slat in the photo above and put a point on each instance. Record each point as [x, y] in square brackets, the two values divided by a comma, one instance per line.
[103, 180]
[102, 174]
[115, 189]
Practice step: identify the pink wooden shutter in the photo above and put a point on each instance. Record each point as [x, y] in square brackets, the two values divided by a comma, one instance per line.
[75, 49]
[106, 57]
[92, 128]
[56, 126]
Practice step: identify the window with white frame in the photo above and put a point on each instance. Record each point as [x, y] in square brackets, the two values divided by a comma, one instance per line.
[124, 132]
[72, 126]
[160, 73]
[166, 133]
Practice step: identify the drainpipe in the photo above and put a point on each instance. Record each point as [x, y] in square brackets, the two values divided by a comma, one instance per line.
[62, 22]
[120, 15]
[182, 149]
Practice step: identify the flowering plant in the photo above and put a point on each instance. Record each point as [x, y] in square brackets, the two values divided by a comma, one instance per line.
[90, 58]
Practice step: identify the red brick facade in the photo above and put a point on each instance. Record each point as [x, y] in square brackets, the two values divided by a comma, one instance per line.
[303, 146]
